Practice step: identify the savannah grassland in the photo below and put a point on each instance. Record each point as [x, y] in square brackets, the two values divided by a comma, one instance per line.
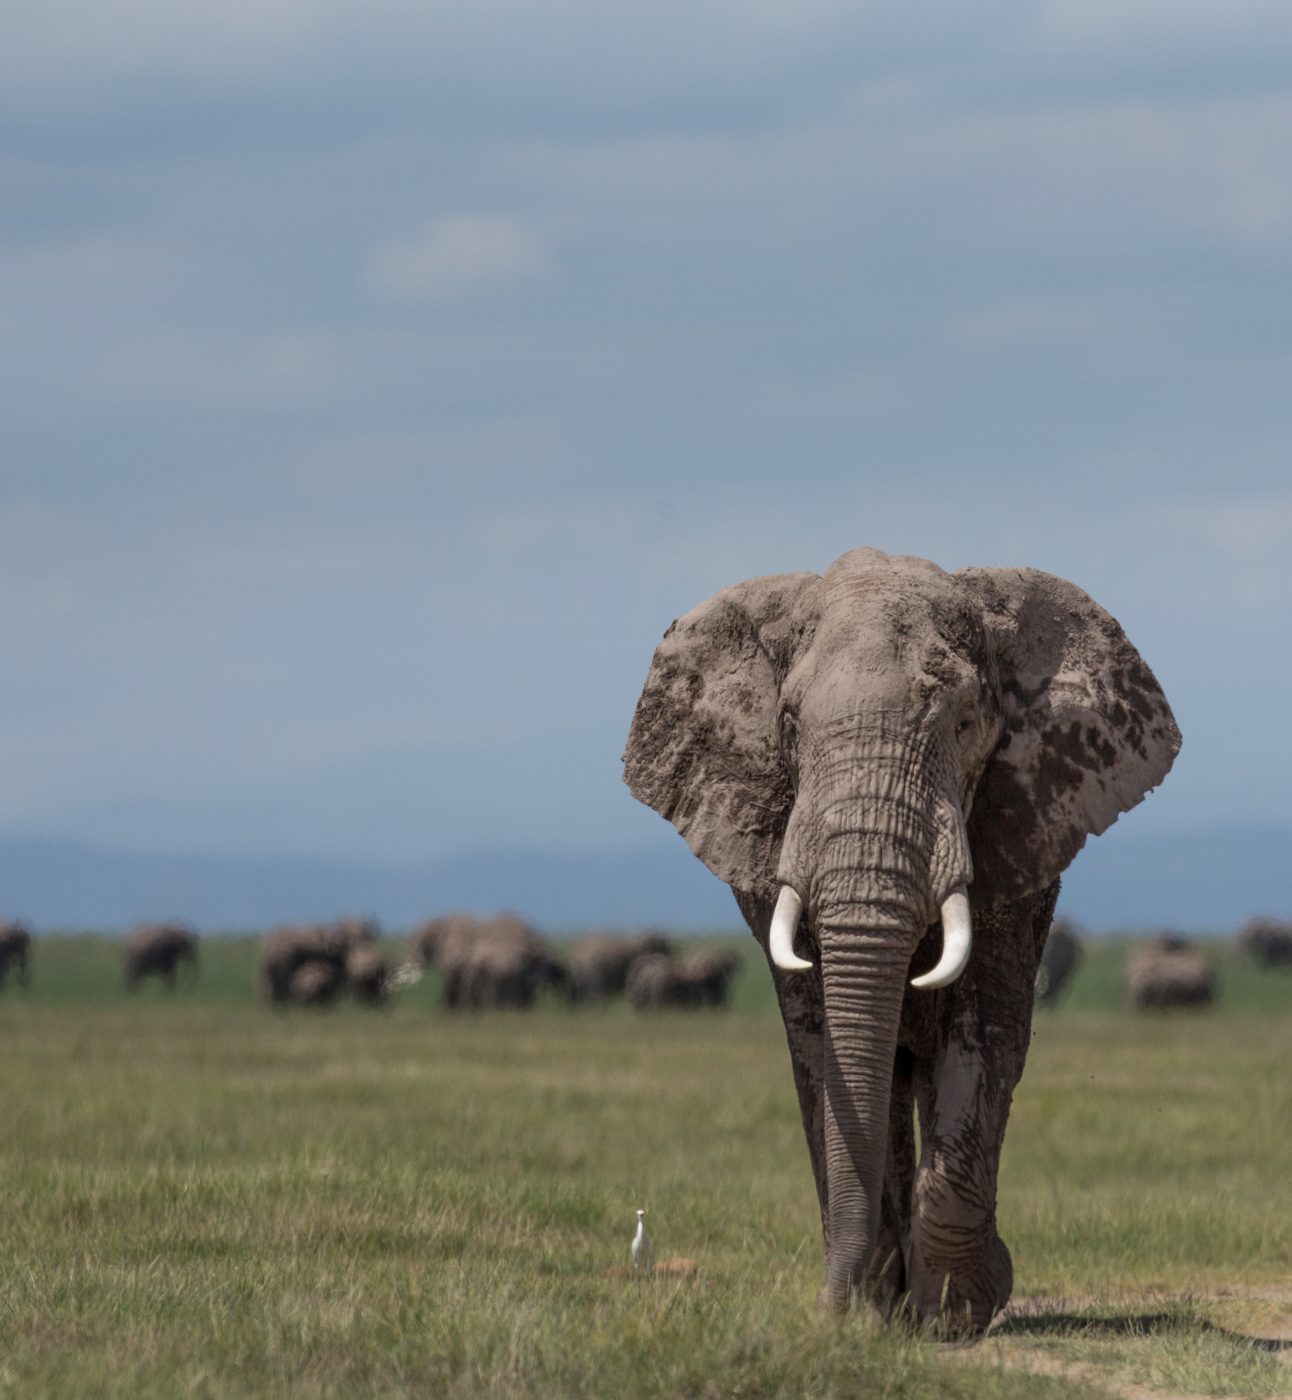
[202, 1197]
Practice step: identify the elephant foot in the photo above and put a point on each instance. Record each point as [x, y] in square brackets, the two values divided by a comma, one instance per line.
[958, 1302]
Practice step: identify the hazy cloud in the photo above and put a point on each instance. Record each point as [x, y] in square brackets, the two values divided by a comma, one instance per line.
[456, 256]
[379, 383]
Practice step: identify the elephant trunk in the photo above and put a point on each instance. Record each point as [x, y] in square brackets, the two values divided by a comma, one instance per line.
[890, 852]
[863, 973]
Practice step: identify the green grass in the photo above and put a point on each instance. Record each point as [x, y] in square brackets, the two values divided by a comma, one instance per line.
[207, 1198]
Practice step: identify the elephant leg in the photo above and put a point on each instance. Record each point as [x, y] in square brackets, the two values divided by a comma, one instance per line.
[895, 1202]
[802, 1004]
[960, 1271]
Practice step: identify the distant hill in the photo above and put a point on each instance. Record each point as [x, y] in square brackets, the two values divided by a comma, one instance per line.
[1196, 880]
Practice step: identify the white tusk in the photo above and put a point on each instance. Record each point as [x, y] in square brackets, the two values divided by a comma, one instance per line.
[784, 923]
[957, 941]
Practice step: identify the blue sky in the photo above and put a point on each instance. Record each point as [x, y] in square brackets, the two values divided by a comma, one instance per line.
[379, 381]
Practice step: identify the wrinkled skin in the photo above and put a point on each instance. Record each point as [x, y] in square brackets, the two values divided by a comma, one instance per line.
[599, 962]
[286, 949]
[874, 738]
[1170, 972]
[486, 963]
[159, 950]
[697, 980]
[1060, 959]
[15, 951]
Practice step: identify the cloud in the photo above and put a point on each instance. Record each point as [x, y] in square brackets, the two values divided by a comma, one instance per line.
[458, 256]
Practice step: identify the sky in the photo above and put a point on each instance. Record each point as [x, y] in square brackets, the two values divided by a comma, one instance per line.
[378, 382]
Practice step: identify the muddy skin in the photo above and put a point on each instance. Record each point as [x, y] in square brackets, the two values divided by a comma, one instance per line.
[873, 740]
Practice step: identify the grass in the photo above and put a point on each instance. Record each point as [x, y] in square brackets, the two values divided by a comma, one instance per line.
[206, 1198]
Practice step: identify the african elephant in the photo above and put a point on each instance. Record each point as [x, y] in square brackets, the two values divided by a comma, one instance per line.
[1170, 972]
[1059, 959]
[1267, 942]
[367, 975]
[286, 949]
[710, 972]
[495, 962]
[599, 962]
[699, 979]
[860, 755]
[159, 950]
[315, 983]
[15, 951]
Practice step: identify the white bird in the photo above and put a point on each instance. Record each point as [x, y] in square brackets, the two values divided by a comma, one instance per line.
[643, 1250]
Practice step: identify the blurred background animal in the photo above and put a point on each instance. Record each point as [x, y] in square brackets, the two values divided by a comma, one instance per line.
[286, 950]
[487, 962]
[367, 974]
[698, 980]
[1059, 961]
[15, 951]
[315, 983]
[159, 950]
[1267, 942]
[599, 962]
[1171, 972]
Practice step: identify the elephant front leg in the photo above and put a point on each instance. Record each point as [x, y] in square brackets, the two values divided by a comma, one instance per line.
[802, 1004]
[960, 1272]
[893, 1242]
[802, 1009]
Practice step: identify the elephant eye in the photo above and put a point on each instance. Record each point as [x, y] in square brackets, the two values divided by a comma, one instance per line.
[963, 725]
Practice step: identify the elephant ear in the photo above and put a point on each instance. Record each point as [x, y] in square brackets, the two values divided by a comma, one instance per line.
[1088, 732]
[704, 750]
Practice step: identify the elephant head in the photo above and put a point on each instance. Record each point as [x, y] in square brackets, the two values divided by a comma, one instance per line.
[867, 747]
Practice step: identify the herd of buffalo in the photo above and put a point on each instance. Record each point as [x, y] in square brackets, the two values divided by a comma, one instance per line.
[504, 962]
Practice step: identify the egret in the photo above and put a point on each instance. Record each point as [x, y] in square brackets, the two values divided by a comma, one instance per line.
[643, 1250]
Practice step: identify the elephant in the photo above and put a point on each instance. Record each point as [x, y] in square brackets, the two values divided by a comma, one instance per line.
[15, 951]
[1267, 942]
[654, 981]
[864, 754]
[159, 950]
[367, 974]
[286, 949]
[1170, 972]
[599, 962]
[710, 971]
[315, 982]
[496, 962]
[700, 979]
[1059, 960]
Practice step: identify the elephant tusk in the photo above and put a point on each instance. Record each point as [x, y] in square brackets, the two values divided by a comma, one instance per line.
[957, 941]
[784, 923]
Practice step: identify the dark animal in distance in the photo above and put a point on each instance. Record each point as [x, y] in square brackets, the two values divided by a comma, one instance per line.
[1267, 942]
[1059, 961]
[15, 951]
[1169, 973]
[286, 950]
[486, 963]
[599, 962]
[159, 950]
[315, 983]
[701, 979]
